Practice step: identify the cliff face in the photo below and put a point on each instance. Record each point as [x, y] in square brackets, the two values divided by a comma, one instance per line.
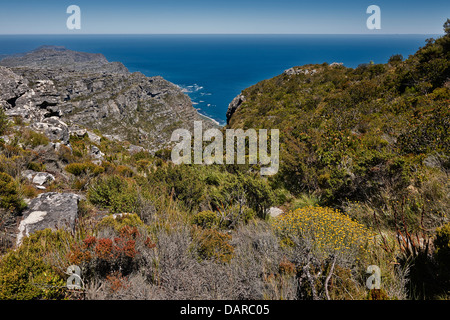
[234, 105]
[87, 90]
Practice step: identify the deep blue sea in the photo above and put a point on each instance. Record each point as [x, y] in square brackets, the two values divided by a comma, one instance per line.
[213, 69]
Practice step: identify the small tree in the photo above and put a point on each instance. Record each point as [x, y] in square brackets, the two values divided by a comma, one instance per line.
[396, 58]
[447, 26]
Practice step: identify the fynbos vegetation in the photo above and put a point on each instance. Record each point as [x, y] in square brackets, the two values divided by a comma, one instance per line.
[362, 180]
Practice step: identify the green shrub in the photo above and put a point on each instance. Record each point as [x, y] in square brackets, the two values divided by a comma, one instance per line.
[142, 155]
[442, 244]
[21, 275]
[327, 230]
[212, 179]
[10, 197]
[29, 191]
[259, 194]
[78, 169]
[163, 154]
[11, 165]
[235, 215]
[117, 223]
[118, 194]
[26, 273]
[206, 219]
[35, 166]
[305, 200]
[183, 181]
[229, 190]
[282, 196]
[124, 171]
[395, 59]
[144, 165]
[33, 139]
[214, 245]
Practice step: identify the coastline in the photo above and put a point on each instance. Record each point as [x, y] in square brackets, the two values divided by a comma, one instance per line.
[210, 119]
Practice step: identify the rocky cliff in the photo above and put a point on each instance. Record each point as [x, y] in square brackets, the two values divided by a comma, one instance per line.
[54, 84]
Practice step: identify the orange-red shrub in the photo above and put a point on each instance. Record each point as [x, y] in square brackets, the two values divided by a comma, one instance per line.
[110, 254]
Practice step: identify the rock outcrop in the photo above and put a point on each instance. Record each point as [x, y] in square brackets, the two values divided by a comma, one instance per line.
[274, 212]
[53, 128]
[299, 70]
[234, 104]
[54, 88]
[42, 178]
[49, 211]
[38, 179]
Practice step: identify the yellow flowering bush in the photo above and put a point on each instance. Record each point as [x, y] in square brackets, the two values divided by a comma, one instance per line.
[328, 231]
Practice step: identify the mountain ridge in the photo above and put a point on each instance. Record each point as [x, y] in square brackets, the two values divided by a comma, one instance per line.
[85, 89]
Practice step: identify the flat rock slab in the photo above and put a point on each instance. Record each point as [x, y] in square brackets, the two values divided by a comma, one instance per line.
[49, 210]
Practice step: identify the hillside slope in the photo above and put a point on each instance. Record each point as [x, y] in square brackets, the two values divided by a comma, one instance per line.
[357, 133]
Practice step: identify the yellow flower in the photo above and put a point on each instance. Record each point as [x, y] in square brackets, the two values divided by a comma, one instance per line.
[331, 229]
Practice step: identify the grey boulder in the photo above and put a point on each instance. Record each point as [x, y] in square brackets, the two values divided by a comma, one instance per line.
[49, 211]
[42, 178]
[275, 212]
[53, 128]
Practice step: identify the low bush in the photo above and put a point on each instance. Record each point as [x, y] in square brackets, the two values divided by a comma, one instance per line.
[10, 197]
[304, 200]
[117, 223]
[206, 219]
[329, 231]
[183, 181]
[35, 166]
[29, 272]
[214, 245]
[29, 191]
[33, 139]
[79, 169]
[11, 164]
[118, 194]
[124, 171]
[99, 257]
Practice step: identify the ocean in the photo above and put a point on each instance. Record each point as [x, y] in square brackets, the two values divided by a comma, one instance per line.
[213, 69]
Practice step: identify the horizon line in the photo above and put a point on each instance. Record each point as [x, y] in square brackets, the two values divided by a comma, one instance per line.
[143, 34]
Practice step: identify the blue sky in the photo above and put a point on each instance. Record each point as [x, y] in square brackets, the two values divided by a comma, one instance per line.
[231, 16]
